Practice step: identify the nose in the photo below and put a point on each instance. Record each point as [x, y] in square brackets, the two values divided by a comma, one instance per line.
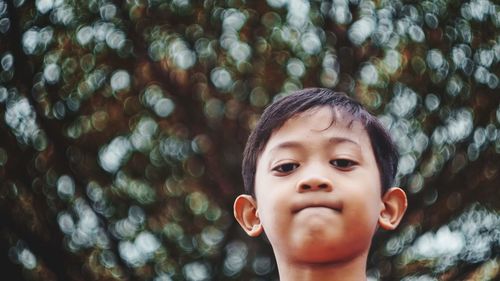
[314, 183]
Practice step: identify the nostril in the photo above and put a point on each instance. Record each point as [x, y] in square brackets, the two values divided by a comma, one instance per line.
[323, 185]
[314, 185]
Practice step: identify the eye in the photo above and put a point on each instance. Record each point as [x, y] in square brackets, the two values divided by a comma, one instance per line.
[286, 168]
[343, 164]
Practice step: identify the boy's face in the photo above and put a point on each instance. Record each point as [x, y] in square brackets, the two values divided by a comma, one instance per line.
[317, 186]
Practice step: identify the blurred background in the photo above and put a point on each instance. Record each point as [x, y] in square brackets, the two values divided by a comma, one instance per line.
[122, 125]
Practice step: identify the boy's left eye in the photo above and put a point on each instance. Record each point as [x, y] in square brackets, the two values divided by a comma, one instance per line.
[343, 163]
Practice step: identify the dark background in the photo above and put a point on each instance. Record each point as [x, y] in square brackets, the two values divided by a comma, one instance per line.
[122, 125]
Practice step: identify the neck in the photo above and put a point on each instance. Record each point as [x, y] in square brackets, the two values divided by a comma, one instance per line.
[350, 270]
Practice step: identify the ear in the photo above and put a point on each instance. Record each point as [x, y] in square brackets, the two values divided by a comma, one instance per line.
[395, 204]
[247, 215]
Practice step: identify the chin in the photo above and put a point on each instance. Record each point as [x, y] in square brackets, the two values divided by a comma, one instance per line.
[326, 249]
[317, 236]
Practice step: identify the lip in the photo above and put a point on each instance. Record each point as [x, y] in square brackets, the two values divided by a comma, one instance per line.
[334, 205]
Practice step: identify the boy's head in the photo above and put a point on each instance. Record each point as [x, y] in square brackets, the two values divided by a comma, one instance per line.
[282, 110]
[318, 170]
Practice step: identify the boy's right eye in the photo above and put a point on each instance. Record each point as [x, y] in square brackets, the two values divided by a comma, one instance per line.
[286, 168]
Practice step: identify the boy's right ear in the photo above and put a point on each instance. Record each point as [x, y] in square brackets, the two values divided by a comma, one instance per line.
[247, 215]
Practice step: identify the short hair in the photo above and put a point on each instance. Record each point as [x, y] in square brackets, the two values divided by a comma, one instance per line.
[283, 109]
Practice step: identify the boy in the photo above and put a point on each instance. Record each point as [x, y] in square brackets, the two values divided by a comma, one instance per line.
[318, 170]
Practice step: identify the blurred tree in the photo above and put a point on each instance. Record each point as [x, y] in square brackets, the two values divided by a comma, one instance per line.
[123, 124]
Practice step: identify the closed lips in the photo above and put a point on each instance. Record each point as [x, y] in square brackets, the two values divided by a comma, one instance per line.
[333, 205]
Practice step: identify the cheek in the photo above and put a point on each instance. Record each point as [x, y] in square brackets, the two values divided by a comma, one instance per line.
[269, 195]
[272, 213]
[269, 208]
[366, 206]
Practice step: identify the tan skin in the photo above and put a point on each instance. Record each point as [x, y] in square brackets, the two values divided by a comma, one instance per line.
[318, 198]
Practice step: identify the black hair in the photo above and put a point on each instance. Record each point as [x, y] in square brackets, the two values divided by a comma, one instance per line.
[300, 101]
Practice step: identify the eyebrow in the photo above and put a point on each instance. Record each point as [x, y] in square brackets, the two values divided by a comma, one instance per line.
[336, 140]
[295, 144]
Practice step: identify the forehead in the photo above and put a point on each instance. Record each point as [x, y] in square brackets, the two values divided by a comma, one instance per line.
[322, 122]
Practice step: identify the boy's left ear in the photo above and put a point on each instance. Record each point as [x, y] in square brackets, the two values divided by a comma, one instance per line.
[395, 204]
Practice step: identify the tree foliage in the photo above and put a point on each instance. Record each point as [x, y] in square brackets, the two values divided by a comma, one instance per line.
[123, 123]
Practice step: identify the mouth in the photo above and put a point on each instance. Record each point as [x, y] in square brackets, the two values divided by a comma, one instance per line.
[333, 205]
